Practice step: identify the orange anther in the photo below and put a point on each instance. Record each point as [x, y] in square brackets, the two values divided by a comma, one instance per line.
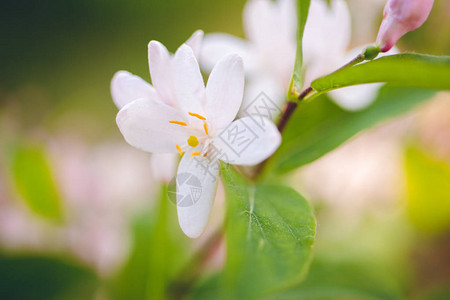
[179, 150]
[197, 116]
[178, 123]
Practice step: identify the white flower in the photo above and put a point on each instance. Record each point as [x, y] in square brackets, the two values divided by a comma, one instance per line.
[126, 87]
[196, 122]
[269, 53]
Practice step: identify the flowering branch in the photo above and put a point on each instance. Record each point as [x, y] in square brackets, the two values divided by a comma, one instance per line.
[290, 108]
[368, 53]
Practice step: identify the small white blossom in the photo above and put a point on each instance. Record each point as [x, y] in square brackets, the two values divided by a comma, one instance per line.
[178, 114]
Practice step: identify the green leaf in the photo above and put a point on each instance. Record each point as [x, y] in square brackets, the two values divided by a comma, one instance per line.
[34, 181]
[270, 232]
[328, 279]
[331, 279]
[428, 186]
[320, 126]
[35, 277]
[416, 70]
[159, 252]
[302, 15]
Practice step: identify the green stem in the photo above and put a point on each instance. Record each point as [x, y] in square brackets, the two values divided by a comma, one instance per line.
[359, 58]
[309, 93]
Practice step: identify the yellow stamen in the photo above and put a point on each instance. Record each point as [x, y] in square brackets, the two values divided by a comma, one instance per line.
[178, 123]
[195, 153]
[197, 116]
[204, 155]
[179, 150]
[192, 141]
[206, 128]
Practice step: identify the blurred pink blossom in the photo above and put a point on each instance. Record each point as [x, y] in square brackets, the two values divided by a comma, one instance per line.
[19, 227]
[434, 126]
[103, 187]
[363, 175]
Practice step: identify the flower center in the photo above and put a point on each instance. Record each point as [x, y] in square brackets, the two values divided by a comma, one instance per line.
[192, 141]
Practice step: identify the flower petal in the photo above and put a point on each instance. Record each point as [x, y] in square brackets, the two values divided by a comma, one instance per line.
[271, 29]
[356, 97]
[262, 97]
[327, 31]
[217, 45]
[259, 20]
[280, 48]
[288, 17]
[314, 41]
[247, 141]
[224, 91]
[340, 27]
[145, 125]
[197, 181]
[195, 42]
[188, 81]
[160, 63]
[126, 87]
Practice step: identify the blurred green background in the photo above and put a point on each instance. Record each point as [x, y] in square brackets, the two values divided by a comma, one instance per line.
[57, 60]
[61, 55]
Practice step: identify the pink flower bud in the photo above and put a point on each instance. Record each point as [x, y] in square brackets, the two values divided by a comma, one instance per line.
[400, 17]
